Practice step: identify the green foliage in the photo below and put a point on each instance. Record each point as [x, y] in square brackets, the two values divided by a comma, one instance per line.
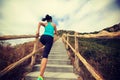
[113, 28]
[10, 54]
[61, 32]
[102, 54]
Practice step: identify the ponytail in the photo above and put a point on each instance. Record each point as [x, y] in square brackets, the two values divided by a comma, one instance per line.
[43, 19]
[47, 17]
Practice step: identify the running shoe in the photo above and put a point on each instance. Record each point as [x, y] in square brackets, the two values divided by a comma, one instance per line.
[39, 78]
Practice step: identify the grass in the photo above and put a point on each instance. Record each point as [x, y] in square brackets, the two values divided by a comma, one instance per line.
[102, 54]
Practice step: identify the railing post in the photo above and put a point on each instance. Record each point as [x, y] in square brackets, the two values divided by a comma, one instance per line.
[63, 36]
[77, 50]
[67, 36]
[33, 58]
[76, 42]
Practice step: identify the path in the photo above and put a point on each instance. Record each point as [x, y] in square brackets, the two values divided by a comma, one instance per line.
[58, 67]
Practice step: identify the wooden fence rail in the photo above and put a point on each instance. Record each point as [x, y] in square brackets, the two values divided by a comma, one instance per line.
[94, 73]
[31, 55]
[8, 37]
[102, 34]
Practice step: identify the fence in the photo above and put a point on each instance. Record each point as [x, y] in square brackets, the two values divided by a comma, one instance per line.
[31, 55]
[78, 56]
[65, 38]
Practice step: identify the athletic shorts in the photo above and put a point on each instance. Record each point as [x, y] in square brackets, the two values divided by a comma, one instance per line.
[48, 42]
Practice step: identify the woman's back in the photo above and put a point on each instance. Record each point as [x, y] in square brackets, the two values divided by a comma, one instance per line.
[49, 29]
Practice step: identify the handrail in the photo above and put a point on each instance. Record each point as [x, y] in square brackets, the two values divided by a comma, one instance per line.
[32, 54]
[87, 65]
[8, 37]
[99, 35]
[13, 65]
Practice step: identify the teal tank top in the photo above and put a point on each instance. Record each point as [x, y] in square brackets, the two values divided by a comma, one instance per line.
[49, 30]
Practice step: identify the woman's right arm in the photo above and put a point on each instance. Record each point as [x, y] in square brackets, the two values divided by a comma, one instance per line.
[38, 30]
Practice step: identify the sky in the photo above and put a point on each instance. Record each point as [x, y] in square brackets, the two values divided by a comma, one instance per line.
[22, 16]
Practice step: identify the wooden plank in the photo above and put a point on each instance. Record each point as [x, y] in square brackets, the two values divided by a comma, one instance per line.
[102, 34]
[7, 37]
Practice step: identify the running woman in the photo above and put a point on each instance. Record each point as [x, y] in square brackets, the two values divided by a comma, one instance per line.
[47, 40]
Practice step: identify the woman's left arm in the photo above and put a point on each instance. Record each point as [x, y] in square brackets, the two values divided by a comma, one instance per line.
[55, 29]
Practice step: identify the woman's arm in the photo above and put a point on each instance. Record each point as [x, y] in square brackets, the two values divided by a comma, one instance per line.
[55, 29]
[38, 30]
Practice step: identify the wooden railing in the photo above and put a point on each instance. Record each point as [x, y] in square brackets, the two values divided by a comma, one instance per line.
[31, 55]
[78, 56]
[65, 38]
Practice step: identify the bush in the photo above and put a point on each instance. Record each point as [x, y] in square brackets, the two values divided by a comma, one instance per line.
[10, 54]
[103, 55]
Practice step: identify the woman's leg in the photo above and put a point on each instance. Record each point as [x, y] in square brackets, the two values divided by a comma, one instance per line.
[47, 49]
[43, 66]
[44, 59]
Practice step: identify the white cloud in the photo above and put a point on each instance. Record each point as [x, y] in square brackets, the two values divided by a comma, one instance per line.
[22, 16]
[95, 15]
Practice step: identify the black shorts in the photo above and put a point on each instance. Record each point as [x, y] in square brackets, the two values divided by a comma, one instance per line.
[48, 42]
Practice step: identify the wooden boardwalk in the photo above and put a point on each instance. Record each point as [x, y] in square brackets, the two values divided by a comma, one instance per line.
[58, 67]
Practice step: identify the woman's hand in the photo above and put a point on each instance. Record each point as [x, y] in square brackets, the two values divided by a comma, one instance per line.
[37, 35]
[56, 33]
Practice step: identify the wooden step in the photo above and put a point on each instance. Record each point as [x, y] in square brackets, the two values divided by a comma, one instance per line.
[58, 56]
[52, 76]
[55, 68]
[59, 61]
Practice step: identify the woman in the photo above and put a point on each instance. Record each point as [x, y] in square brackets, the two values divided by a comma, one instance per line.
[47, 40]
